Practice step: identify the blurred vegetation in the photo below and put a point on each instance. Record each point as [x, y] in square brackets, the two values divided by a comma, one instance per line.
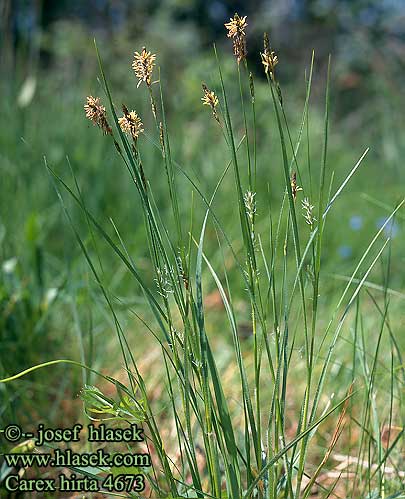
[48, 66]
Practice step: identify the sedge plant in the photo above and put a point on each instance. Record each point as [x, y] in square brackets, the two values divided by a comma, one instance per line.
[258, 447]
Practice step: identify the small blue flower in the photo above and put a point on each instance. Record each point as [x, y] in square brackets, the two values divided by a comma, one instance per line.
[356, 222]
[391, 229]
[345, 251]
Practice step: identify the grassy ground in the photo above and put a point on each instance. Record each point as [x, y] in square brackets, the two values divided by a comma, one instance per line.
[290, 344]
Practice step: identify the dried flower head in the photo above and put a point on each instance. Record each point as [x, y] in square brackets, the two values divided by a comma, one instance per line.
[294, 187]
[307, 211]
[269, 57]
[236, 30]
[210, 99]
[143, 64]
[269, 61]
[131, 123]
[96, 113]
[236, 26]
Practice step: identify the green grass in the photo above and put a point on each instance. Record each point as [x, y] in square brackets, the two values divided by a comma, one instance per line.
[320, 372]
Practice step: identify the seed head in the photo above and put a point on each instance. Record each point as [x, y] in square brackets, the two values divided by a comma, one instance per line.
[266, 42]
[236, 26]
[251, 87]
[269, 61]
[143, 65]
[96, 113]
[294, 187]
[210, 99]
[131, 123]
[250, 204]
[236, 31]
[162, 138]
[269, 57]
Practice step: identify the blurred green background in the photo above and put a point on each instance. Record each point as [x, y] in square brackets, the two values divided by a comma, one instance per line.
[49, 307]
